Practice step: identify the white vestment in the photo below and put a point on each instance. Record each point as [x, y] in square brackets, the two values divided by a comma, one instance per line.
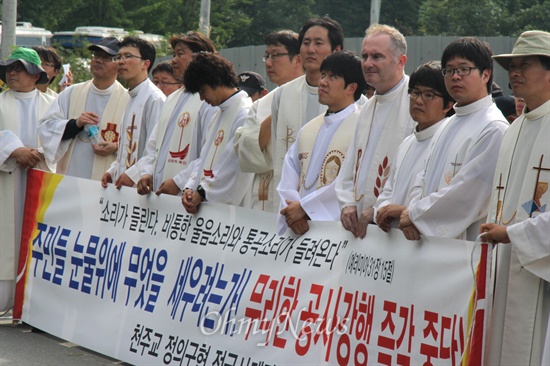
[252, 159]
[177, 139]
[451, 195]
[312, 164]
[410, 159]
[140, 118]
[217, 169]
[294, 104]
[75, 156]
[19, 116]
[521, 200]
[383, 122]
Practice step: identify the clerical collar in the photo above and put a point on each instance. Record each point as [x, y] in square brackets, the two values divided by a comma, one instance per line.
[394, 87]
[135, 90]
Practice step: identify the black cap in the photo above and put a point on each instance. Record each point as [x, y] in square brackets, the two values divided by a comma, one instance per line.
[111, 45]
[251, 82]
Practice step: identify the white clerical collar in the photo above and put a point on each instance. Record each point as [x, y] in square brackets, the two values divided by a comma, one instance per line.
[538, 112]
[391, 93]
[340, 115]
[428, 132]
[98, 91]
[25, 95]
[233, 99]
[474, 106]
[135, 91]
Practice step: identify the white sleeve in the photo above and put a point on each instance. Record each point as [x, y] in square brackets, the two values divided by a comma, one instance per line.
[289, 184]
[9, 142]
[531, 244]
[344, 186]
[52, 126]
[448, 212]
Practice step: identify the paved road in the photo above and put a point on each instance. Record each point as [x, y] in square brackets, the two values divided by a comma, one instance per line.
[19, 346]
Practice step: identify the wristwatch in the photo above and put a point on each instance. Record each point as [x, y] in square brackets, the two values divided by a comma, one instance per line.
[202, 193]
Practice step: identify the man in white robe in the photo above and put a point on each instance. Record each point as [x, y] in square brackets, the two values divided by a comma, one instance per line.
[283, 64]
[383, 122]
[179, 135]
[296, 102]
[217, 176]
[451, 195]
[520, 214]
[313, 162]
[20, 109]
[97, 103]
[135, 59]
[429, 105]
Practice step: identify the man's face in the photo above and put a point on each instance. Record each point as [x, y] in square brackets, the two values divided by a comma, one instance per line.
[279, 69]
[130, 65]
[426, 112]
[211, 95]
[315, 47]
[529, 80]
[182, 57]
[466, 89]
[333, 92]
[381, 68]
[18, 79]
[166, 82]
[102, 65]
[50, 69]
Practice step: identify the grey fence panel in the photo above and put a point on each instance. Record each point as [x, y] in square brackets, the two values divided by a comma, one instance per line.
[420, 50]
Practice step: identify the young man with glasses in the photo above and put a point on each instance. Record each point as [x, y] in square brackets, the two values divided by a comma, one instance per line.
[429, 105]
[20, 109]
[450, 196]
[135, 58]
[97, 103]
[282, 64]
[51, 63]
[163, 78]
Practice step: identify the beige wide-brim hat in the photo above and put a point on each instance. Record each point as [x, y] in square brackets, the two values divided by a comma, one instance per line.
[530, 43]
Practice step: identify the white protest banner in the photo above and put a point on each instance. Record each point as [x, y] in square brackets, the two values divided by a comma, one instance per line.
[138, 279]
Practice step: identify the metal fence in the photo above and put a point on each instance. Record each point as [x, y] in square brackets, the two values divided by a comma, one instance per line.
[420, 50]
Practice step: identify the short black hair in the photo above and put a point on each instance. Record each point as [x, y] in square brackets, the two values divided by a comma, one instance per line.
[209, 69]
[196, 41]
[286, 38]
[430, 76]
[49, 54]
[346, 64]
[146, 49]
[165, 66]
[335, 31]
[545, 62]
[474, 50]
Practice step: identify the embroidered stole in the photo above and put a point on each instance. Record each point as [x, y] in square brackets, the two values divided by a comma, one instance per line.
[182, 137]
[537, 176]
[289, 122]
[334, 156]
[369, 180]
[219, 134]
[109, 123]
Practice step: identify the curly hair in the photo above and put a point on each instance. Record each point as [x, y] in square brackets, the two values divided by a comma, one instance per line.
[209, 69]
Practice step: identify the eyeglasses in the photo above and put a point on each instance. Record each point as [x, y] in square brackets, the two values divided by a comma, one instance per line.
[273, 56]
[126, 56]
[461, 71]
[48, 64]
[103, 57]
[164, 83]
[426, 95]
[16, 66]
